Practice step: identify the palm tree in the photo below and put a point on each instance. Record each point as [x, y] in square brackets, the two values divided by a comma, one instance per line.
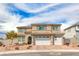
[11, 35]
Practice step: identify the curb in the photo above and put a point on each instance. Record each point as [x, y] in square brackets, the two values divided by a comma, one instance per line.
[30, 51]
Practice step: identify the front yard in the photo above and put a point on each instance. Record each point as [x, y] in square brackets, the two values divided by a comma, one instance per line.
[34, 47]
[14, 47]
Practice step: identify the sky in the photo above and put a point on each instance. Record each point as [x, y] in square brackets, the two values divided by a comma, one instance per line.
[25, 14]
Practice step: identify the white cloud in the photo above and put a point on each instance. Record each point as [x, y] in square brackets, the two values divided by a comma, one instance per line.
[26, 8]
[11, 21]
[7, 21]
[56, 16]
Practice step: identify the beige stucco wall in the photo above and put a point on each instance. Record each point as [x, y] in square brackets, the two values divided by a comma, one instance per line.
[26, 37]
[28, 30]
[34, 30]
[33, 27]
[48, 27]
[70, 34]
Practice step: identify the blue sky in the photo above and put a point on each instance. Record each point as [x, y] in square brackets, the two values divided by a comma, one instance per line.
[19, 14]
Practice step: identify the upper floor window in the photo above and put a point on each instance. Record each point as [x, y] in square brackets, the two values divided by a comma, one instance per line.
[21, 30]
[78, 26]
[41, 27]
[56, 28]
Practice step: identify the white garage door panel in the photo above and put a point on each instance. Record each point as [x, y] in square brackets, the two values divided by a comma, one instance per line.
[58, 41]
[42, 41]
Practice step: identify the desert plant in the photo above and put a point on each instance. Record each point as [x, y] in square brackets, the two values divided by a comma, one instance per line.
[24, 43]
[16, 48]
[16, 43]
[11, 35]
[28, 47]
[1, 43]
[67, 44]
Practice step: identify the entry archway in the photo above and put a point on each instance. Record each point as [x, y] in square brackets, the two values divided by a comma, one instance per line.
[29, 40]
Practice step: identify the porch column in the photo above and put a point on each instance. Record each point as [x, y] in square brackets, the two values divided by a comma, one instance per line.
[52, 40]
[33, 40]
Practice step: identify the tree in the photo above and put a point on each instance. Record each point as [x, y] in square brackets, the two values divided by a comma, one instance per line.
[11, 35]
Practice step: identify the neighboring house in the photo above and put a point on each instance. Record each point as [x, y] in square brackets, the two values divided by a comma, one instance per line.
[72, 33]
[41, 34]
[1, 40]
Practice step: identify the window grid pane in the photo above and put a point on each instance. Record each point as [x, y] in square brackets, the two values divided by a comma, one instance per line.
[21, 30]
[56, 28]
[41, 28]
[21, 38]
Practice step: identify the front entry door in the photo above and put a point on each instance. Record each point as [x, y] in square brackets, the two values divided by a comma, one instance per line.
[29, 40]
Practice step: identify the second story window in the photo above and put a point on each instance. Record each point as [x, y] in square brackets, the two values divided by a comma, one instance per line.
[78, 26]
[41, 28]
[21, 30]
[56, 28]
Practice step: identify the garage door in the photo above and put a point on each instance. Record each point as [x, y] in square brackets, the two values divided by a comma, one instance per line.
[58, 41]
[42, 40]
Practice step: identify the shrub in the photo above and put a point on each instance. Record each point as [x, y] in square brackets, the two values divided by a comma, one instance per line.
[77, 45]
[28, 47]
[24, 43]
[16, 43]
[67, 44]
[1, 43]
[4, 45]
[16, 48]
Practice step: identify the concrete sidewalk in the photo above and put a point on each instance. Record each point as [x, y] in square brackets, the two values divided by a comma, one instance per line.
[29, 51]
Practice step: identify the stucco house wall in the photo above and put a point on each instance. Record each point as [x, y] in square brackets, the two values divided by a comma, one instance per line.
[70, 33]
[34, 32]
[26, 37]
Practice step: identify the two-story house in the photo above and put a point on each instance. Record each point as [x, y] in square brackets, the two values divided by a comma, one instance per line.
[72, 33]
[41, 34]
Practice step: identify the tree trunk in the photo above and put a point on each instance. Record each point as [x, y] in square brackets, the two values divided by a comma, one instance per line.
[11, 41]
[53, 41]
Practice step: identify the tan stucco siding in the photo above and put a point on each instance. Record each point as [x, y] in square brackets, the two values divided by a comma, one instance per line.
[41, 32]
[28, 30]
[34, 28]
[71, 33]
[48, 27]
[26, 37]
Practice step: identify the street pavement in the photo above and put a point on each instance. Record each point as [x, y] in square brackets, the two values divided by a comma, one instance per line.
[43, 51]
[43, 54]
